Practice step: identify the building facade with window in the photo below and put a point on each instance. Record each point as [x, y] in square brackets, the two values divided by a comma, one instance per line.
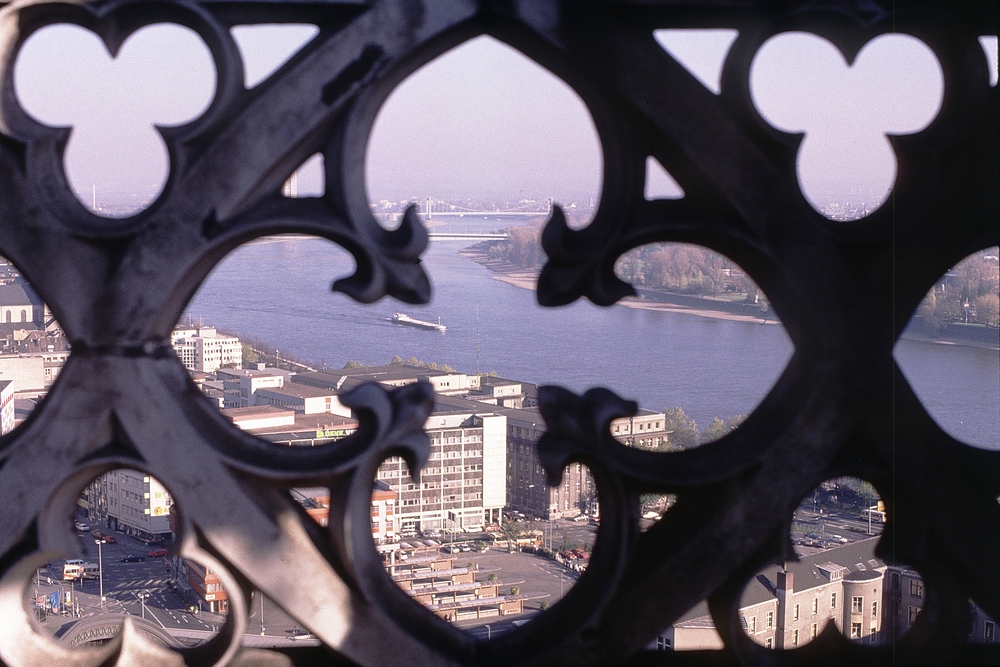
[576, 494]
[206, 350]
[131, 502]
[462, 486]
[786, 607]
[6, 406]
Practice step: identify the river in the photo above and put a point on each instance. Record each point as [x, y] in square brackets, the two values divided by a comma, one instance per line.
[278, 290]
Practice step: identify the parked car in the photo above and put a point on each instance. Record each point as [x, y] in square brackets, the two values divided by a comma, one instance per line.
[109, 538]
[134, 558]
[157, 553]
[81, 526]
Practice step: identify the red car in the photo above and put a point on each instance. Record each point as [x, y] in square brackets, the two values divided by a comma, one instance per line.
[157, 553]
[109, 538]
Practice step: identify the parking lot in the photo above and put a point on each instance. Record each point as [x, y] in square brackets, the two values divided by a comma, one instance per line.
[540, 580]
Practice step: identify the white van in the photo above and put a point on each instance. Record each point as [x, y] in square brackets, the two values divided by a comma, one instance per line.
[72, 570]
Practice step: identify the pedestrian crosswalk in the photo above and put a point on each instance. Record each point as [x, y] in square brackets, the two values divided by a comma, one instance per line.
[140, 583]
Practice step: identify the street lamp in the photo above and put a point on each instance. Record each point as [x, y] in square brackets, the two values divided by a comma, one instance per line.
[142, 601]
[488, 632]
[100, 568]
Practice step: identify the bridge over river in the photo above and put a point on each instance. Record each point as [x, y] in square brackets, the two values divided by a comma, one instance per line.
[472, 236]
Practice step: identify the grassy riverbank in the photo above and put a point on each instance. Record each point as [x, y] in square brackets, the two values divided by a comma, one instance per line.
[664, 302]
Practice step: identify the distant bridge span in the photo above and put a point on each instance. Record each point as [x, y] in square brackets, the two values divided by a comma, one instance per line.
[485, 214]
[455, 236]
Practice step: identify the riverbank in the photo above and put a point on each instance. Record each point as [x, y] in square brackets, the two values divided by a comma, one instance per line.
[666, 302]
[963, 335]
[663, 302]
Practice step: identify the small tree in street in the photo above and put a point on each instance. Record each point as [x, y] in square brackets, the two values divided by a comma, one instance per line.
[510, 531]
[514, 590]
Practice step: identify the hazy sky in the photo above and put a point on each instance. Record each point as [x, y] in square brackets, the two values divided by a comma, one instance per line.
[481, 120]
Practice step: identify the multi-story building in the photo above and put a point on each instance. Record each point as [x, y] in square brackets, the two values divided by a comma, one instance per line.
[527, 484]
[463, 484]
[240, 384]
[867, 600]
[204, 349]
[499, 391]
[204, 583]
[905, 598]
[283, 426]
[303, 398]
[385, 524]
[445, 383]
[129, 501]
[6, 406]
[787, 606]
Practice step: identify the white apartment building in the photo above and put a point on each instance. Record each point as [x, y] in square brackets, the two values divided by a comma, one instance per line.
[463, 485]
[204, 349]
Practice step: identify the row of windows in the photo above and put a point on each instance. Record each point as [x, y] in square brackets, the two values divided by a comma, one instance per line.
[24, 316]
[642, 426]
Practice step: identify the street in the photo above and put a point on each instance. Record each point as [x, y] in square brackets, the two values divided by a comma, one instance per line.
[137, 588]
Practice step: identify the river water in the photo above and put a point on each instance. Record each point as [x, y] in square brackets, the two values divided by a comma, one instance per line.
[278, 290]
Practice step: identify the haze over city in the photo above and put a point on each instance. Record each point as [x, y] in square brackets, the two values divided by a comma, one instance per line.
[480, 121]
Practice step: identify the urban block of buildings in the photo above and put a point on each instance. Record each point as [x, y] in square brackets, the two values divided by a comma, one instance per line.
[787, 606]
[128, 501]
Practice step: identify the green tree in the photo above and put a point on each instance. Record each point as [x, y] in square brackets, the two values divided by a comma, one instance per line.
[544, 605]
[988, 309]
[491, 577]
[514, 590]
[510, 531]
[354, 364]
[685, 431]
[396, 361]
[719, 428]
[249, 355]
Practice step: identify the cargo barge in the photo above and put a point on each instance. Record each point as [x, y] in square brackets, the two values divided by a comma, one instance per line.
[400, 318]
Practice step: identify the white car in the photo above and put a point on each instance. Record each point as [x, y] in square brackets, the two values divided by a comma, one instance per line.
[81, 526]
